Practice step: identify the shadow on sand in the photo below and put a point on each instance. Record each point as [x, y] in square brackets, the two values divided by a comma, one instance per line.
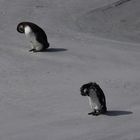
[55, 50]
[117, 113]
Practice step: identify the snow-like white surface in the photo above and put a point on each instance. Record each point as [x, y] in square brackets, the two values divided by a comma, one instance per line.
[39, 92]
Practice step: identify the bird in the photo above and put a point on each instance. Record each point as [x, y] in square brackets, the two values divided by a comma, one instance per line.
[35, 35]
[96, 97]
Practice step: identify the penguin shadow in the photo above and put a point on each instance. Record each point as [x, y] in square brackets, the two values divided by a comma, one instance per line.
[118, 113]
[51, 50]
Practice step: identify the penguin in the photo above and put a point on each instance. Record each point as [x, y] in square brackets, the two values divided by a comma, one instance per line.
[35, 34]
[96, 96]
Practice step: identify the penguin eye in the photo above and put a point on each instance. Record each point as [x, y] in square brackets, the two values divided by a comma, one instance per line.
[85, 90]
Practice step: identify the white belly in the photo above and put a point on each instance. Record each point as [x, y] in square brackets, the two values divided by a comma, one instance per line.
[32, 39]
[29, 34]
[94, 101]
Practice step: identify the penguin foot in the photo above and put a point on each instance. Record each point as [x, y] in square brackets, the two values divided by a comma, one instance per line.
[95, 113]
[32, 50]
[91, 113]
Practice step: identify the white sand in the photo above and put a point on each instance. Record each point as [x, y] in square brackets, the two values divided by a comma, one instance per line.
[39, 92]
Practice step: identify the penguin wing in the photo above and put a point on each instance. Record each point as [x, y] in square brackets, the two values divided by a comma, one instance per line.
[100, 95]
[41, 37]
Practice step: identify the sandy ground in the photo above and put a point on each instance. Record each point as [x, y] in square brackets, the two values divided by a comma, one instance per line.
[39, 92]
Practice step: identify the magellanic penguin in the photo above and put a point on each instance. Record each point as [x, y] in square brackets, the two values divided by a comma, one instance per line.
[36, 36]
[96, 97]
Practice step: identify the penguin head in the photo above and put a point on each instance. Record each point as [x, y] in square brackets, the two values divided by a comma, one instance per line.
[20, 28]
[86, 88]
